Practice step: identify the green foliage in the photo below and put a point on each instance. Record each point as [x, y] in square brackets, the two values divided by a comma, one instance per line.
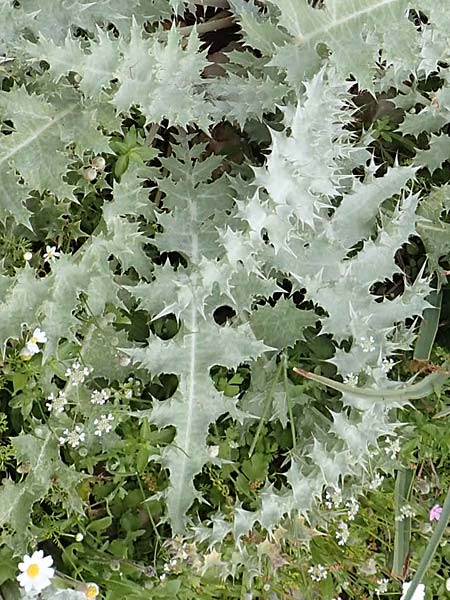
[159, 284]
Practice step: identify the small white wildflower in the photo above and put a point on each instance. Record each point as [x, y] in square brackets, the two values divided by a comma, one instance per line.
[166, 567]
[91, 590]
[90, 173]
[406, 511]
[342, 533]
[28, 351]
[382, 586]
[163, 578]
[393, 448]
[56, 404]
[386, 365]
[352, 508]
[419, 593]
[447, 584]
[333, 499]
[79, 537]
[27, 256]
[100, 397]
[103, 424]
[376, 481]
[266, 587]
[39, 336]
[98, 163]
[173, 562]
[129, 394]
[73, 438]
[351, 378]
[233, 444]
[51, 254]
[36, 571]
[124, 360]
[318, 572]
[367, 344]
[77, 374]
[213, 451]
[369, 567]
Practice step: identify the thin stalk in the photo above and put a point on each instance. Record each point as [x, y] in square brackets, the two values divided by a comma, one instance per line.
[267, 404]
[431, 549]
[288, 399]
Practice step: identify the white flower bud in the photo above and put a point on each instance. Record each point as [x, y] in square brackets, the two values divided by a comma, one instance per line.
[98, 163]
[79, 537]
[90, 173]
[27, 256]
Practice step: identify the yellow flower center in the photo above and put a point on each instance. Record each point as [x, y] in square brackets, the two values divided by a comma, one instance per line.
[33, 570]
[91, 591]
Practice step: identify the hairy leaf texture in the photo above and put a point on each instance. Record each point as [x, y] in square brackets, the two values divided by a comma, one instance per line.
[342, 238]
[159, 75]
[198, 206]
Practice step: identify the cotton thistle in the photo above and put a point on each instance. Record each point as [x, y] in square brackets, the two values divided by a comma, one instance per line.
[36, 571]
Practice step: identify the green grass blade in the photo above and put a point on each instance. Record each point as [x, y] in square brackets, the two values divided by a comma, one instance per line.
[428, 327]
[403, 487]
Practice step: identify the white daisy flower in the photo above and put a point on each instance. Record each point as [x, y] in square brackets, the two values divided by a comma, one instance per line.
[36, 571]
[28, 351]
[213, 451]
[51, 254]
[39, 336]
[91, 590]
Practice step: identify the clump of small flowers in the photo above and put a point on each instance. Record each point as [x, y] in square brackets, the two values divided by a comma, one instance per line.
[435, 512]
[77, 373]
[382, 586]
[317, 572]
[376, 481]
[386, 365]
[342, 533]
[351, 379]
[367, 344]
[31, 347]
[103, 424]
[405, 512]
[100, 397]
[74, 438]
[393, 448]
[36, 571]
[56, 404]
[352, 507]
[333, 499]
